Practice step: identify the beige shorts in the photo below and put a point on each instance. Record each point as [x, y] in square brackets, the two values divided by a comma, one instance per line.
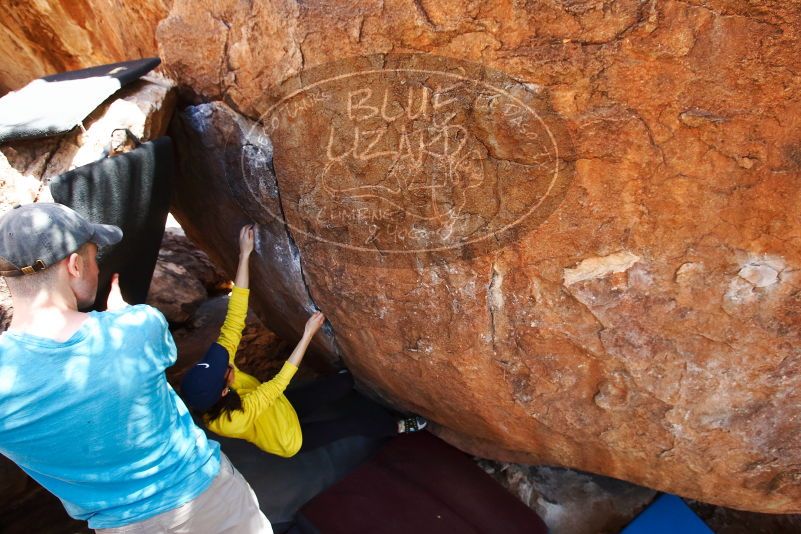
[227, 506]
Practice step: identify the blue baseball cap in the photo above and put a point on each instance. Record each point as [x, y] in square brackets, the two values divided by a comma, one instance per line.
[203, 384]
[35, 236]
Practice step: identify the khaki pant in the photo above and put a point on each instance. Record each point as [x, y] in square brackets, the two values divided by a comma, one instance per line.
[227, 506]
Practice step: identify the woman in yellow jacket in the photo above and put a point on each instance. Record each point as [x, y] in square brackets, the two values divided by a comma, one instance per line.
[235, 404]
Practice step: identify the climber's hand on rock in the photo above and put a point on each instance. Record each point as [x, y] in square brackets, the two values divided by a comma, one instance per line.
[246, 240]
[115, 300]
[313, 324]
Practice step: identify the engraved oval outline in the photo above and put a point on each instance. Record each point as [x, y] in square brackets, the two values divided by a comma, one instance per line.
[422, 71]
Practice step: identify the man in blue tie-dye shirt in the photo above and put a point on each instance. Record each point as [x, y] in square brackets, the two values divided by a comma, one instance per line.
[85, 408]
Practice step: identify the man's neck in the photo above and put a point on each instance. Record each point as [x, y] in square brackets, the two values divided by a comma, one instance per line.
[52, 319]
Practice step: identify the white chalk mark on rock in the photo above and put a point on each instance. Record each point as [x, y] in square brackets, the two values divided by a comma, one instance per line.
[600, 266]
[756, 272]
[760, 274]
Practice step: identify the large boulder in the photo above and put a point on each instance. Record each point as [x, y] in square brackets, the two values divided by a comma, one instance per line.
[642, 321]
[175, 292]
[178, 249]
[184, 278]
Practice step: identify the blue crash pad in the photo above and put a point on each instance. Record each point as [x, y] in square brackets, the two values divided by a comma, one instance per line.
[667, 515]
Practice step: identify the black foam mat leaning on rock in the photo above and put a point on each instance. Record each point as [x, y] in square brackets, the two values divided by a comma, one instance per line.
[131, 191]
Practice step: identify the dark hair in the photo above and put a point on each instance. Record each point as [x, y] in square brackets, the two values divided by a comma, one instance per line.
[225, 405]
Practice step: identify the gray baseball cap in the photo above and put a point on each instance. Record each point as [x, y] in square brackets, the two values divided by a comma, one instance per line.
[35, 236]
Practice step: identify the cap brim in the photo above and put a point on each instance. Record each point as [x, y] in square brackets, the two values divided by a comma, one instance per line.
[106, 234]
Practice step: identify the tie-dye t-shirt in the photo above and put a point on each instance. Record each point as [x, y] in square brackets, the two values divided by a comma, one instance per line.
[93, 419]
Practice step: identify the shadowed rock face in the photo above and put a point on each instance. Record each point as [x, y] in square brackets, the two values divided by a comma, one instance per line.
[646, 327]
[217, 150]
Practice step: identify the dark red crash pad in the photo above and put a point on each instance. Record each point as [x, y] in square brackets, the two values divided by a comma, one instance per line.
[417, 484]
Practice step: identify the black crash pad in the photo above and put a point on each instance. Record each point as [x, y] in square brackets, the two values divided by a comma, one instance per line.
[131, 191]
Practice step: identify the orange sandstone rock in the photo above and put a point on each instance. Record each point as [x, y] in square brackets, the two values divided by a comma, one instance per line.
[646, 326]
[41, 38]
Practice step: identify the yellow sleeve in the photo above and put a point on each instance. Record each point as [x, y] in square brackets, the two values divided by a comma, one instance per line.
[231, 331]
[264, 395]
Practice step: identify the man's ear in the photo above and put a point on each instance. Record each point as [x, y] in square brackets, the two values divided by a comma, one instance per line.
[74, 264]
